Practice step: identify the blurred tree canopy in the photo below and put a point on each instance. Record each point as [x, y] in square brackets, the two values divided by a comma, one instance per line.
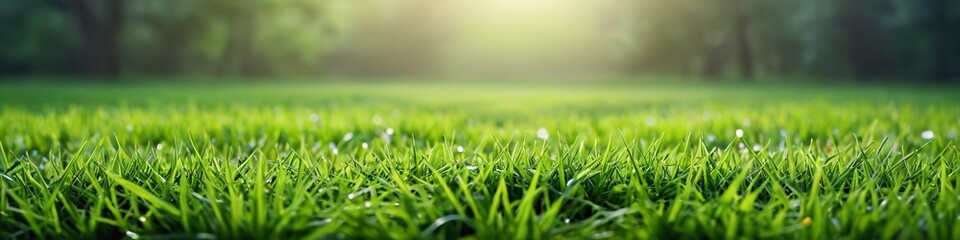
[713, 39]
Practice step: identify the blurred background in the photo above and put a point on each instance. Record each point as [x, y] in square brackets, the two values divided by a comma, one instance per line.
[913, 41]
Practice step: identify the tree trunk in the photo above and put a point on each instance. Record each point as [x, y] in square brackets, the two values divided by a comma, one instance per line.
[248, 66]
[111, 25]
[944, 45]
[99, 36]
[712, 62]
[175, 37]
[238, 58]
[865, 41]
[742, 38]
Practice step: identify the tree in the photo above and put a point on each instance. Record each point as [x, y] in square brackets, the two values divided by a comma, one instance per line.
[174, 26]
[741, 33]
[99, 23]
[865, 43]
[946, 32]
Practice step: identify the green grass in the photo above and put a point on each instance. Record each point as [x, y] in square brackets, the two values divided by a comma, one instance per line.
[487, 161]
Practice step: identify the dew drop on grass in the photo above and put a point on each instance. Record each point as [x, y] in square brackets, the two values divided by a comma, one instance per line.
[757, 147]
[711, 138]
[348, 136]
[142, 219]
[314, 118]
[927, 135]
[739, 133]
[460, 149]
[542, 133]
[159, 146]
[317, 223]
[133, 235]
[358, 193]
[333, 148]
[367, 204]
[364, 145]
[471, 168]
[386, 137]
[389, 131]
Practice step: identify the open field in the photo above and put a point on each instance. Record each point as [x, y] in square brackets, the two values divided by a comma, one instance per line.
[487, 161]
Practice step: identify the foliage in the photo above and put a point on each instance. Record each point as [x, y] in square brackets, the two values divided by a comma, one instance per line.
[854, 39]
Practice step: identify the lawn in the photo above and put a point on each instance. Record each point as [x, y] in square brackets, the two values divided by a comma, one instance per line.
[534, 160]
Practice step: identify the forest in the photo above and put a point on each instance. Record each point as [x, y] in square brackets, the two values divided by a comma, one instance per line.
[913, 41]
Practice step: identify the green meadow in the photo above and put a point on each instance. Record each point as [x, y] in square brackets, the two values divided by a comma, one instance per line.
[534, 160]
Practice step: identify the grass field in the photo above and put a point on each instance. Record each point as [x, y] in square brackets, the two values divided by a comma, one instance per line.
[486, 161]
